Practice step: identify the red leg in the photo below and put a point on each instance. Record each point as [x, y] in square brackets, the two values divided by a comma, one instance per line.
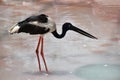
[42, 54]
[37, 52]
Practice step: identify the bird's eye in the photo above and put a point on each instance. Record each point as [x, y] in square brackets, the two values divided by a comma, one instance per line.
[67, 24]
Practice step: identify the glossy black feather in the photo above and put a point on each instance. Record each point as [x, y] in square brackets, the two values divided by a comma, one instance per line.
[33, 29]
[40, 18]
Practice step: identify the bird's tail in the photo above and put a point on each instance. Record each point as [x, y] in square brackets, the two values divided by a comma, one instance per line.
[14, 29]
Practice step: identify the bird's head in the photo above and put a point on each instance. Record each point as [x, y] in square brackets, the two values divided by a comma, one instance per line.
[69, 26]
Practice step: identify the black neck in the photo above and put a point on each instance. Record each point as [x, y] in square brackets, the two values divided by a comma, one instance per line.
[69, 26]
[59, 35]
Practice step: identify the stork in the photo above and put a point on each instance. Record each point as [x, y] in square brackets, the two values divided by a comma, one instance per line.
[43, 24]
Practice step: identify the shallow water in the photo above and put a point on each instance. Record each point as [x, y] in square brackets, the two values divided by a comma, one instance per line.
[99, 17]
[99, 72]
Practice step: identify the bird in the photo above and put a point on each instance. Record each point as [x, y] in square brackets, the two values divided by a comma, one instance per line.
[41, 25]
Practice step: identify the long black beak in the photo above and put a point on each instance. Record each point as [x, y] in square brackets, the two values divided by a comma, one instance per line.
[82, 32]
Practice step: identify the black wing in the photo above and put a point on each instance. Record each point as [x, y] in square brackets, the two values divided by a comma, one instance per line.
[33, 29]
[29, 19]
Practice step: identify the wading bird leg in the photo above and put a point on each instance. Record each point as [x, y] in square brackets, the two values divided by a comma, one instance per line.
[42, 54]
[37, 53]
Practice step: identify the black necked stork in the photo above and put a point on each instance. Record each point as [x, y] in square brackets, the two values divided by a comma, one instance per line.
[43, 24]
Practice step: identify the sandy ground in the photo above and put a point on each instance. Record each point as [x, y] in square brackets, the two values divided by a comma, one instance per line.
[64, 56]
